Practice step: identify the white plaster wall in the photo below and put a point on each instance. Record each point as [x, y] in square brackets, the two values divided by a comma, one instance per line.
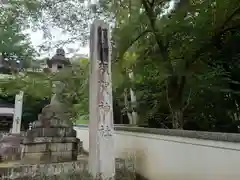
[159, 157]
[83, 135]
[4, 110]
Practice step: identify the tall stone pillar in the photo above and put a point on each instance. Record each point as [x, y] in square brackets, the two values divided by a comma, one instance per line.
[101, 130]
[17, 118]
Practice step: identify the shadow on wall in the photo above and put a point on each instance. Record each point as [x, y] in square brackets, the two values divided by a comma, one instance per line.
[140, 177]
[136, 160]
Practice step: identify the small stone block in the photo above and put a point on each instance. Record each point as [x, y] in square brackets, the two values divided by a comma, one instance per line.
[49, 156]
[51, 123]
[31, 148]
[51, 132]
[29, 140]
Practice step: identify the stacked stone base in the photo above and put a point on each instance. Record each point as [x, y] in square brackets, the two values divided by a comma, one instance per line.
[50, 145]
[49, 151]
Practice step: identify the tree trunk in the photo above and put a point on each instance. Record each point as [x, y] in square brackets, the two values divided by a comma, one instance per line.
[133, 102]
[177, 119]
[174, 89]
[129, 115]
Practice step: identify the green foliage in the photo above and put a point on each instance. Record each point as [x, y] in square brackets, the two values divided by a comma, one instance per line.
[14, 18]
[185, 61]
[37, 87]
[76, 88]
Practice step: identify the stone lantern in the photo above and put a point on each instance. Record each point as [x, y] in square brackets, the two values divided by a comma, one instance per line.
[58, 61]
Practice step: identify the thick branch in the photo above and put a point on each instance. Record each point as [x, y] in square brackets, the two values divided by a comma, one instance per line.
[152, 19]
[230, 17]
[229, 29]
[137, 38]
[150, 2]
[168, 100]
[188, 100]
[209, 43]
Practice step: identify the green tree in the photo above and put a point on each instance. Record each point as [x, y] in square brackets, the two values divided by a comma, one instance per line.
[76, 88]
[177, 54]
[37, 87]
[14, 19]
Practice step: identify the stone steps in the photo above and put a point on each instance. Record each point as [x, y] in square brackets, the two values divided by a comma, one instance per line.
[23, 170]
[74, 170]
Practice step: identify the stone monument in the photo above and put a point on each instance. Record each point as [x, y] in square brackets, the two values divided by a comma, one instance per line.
[52, 137]
[17, 118]
[49, 149]
[58, 61]
[101, 130]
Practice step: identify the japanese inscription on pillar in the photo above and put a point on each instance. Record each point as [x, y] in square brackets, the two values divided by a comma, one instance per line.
[101, 111]
[104, 93]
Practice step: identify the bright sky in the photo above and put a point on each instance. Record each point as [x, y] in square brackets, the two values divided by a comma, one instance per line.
[37, 39]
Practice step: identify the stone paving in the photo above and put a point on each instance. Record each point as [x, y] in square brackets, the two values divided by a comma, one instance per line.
[17, 170]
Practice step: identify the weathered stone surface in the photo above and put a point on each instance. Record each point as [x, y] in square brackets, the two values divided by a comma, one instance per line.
[80, 147]
[51, 132]
[29, 140]
[53, 115]
[21, 172]
[51, 123]
[3, 133]
[54, 111]
[53, 141]
[75, 170]
[10, 147]
[52, 137]
[13, 154]
[69, 176]
[50, 156]
[13, 138]
[48, 147]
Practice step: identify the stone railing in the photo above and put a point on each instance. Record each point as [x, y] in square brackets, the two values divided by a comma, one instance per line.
[176, 154]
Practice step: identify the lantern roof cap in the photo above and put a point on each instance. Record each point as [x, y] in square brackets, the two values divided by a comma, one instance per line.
[58, 58]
